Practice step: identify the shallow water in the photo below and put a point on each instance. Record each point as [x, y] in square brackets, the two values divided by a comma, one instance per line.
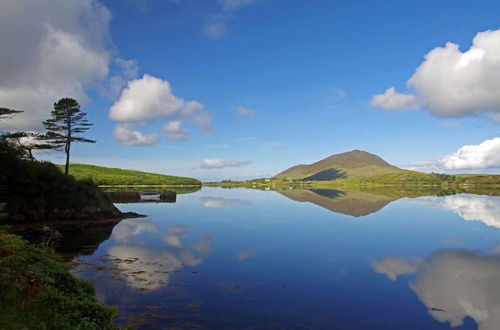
[239, 258]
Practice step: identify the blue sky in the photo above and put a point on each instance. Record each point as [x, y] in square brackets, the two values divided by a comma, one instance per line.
[251, 87]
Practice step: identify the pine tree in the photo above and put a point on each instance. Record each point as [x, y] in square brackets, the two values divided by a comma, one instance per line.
[66, 122]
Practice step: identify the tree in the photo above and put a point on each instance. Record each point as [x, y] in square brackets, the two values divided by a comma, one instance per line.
[28, 141]
[5, 112]
[67, 120]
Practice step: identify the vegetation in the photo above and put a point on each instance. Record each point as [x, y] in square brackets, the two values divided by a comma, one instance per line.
[115, 176]
[67, 120]
[6, 113]
[34, 190]
[37, 291]
[28, 141]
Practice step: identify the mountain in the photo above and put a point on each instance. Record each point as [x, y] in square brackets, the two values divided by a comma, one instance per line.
[350, 164]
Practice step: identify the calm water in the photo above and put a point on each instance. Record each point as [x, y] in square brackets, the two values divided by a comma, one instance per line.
[238, 258]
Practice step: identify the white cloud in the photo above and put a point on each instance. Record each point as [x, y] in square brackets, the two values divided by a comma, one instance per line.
[174, 131]
[216, 27]
[242, 111]
[476, 156]
[126, 135]
[392, 100]
[212, 163]
[214, 30]
[469, 207]
[151, 98]
[230, 5]
[146, 98]
[452, 83]
[58, 51]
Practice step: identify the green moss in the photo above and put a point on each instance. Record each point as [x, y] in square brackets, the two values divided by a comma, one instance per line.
[37, 291]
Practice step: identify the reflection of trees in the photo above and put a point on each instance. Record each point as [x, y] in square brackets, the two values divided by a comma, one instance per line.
[149, 268]
[453, 284]
[470, 207]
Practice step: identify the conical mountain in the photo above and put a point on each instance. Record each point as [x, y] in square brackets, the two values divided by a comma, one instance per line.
[355, 163]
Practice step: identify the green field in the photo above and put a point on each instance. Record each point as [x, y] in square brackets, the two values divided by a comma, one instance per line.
[115, 176]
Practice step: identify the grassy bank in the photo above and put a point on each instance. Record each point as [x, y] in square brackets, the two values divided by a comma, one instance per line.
[398, 179]
[106, 176]
[37, 291]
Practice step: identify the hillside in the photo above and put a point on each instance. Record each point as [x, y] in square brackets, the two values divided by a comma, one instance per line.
[115, 176]
[350, 164]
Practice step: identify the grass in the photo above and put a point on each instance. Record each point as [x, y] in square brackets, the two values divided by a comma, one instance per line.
[107, 176]
[37, 291]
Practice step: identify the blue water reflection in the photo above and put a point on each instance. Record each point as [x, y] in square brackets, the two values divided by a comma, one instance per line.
[238, 258]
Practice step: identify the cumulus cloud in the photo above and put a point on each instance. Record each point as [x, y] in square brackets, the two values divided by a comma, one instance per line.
[392, 100]
[127, 136]
[212, 163]
[149, 98]
[469, 207]
[174, 131]
[58, 51]
[452, 83]
[475, 156]
[242, 111]
[146, 98]
[214, 30]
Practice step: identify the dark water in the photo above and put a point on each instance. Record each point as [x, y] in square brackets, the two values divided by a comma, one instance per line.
[303, 259]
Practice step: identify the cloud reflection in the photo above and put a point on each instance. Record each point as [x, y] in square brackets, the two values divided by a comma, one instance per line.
[149, 268]
[126, 230]
[215, 202]
[454, 284]
[470, 207]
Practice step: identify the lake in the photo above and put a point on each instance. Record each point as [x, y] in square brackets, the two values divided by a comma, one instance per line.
[301, 259]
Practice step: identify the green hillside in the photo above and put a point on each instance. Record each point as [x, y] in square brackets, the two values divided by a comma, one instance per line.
[345, 165]
[115, 176]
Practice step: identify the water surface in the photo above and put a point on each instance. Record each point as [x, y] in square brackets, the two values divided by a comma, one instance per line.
[301, 259]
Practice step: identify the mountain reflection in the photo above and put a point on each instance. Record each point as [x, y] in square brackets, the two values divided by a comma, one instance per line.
[353, 203]
[453, 285]
[469, 207]
[148, 268]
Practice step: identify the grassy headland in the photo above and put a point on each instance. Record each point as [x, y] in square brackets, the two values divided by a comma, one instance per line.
[106, 176]
[36, 191]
